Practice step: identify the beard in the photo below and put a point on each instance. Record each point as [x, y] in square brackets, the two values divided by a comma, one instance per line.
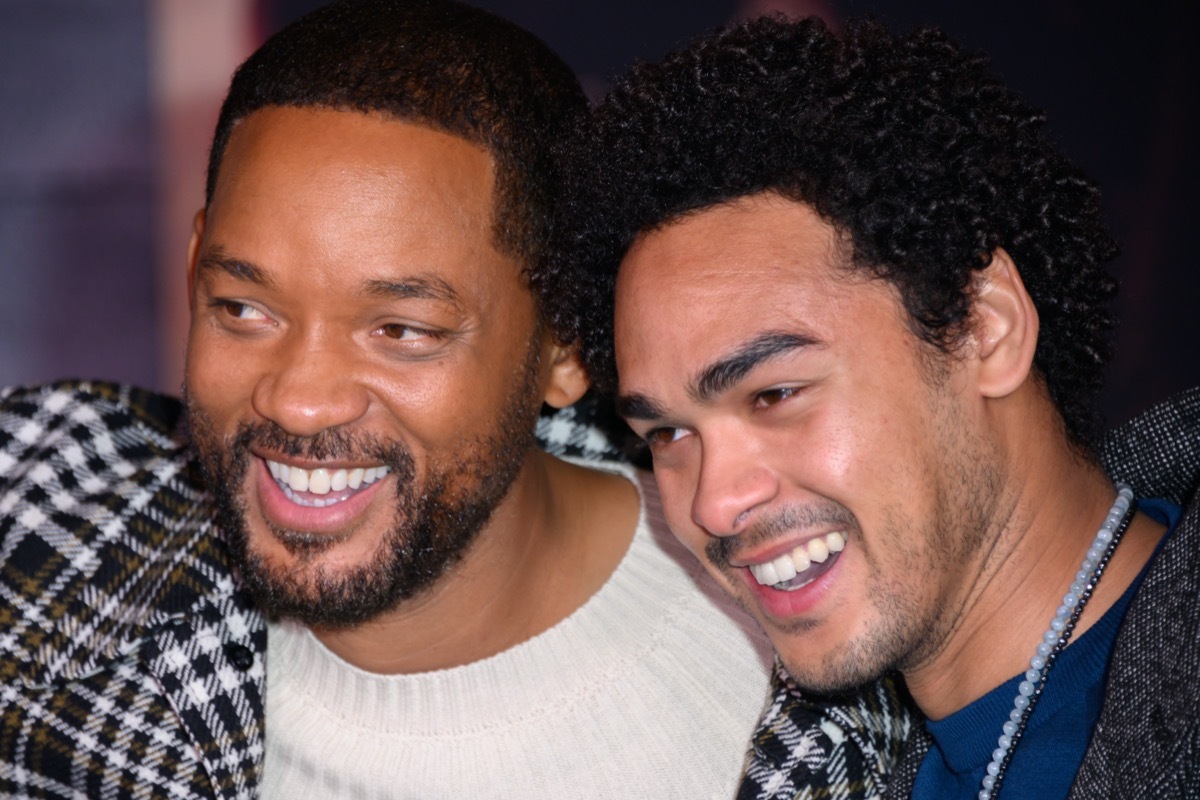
[434, 525]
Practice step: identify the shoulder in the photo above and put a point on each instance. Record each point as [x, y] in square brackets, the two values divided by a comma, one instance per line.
[110, 419]
[105, 527]
[1148, 725]
[1158, 451]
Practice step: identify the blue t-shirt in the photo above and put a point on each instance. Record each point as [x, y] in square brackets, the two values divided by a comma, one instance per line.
[1045, 761]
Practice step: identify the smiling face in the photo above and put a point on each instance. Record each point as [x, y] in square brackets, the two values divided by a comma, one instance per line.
[364, 368]
[809, 449]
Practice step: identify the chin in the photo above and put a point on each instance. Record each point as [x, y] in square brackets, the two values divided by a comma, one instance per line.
[834, 667]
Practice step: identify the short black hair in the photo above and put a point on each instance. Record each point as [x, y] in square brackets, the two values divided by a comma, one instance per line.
[910, 147]
[442, 64]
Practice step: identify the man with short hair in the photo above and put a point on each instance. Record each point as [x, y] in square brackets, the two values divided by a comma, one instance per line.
[860, 318]
[365, 580]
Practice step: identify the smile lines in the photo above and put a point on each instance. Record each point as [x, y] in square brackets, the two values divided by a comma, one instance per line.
[781, 572]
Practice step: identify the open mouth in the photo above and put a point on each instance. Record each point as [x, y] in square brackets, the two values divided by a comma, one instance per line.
[320, 487]
[803, 565]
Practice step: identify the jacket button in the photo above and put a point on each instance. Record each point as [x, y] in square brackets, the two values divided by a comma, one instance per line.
[239, 655]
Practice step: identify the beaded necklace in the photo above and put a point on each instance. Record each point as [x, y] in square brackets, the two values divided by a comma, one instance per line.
[1055, 639]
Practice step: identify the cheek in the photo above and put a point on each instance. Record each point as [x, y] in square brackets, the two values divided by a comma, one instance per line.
[216, 376]
[676, 493]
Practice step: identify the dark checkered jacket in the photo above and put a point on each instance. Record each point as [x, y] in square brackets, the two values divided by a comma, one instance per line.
[130, 664]
[1147, 741]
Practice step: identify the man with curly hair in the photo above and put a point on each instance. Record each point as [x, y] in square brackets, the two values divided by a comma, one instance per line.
[857, 305]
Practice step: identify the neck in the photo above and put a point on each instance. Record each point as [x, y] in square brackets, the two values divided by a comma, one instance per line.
[549, 546]
[1012, 590]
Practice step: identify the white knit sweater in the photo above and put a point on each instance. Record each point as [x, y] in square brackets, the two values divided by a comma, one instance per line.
[650, 690]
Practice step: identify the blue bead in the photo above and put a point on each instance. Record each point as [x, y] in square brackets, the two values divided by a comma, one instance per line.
[1021, 702]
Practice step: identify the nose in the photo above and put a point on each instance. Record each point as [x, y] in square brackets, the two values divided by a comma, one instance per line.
[734, 482]
[310, 387]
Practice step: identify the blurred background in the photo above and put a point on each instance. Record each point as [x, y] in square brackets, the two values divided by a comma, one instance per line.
[108, 106]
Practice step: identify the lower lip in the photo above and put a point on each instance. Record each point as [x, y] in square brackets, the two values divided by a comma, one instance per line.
[782, 605]
[332, 519]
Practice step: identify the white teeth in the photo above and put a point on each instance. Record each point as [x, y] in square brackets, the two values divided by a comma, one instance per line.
[818, 551]
[800, 558]
[785, 568]
[323, 481]
[767, 573]
[318, 481]
[788, 566]
[298, 480]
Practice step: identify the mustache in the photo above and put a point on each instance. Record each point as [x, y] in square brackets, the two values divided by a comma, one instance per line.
[818, 514]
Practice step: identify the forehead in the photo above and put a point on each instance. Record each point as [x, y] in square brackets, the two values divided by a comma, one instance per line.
[732, 269]
[287, 162]
[344, 194]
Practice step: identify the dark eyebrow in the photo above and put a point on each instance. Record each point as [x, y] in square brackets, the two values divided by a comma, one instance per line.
[717, 377]
[216, 259]
[721, 374]
[420, 287]
[638, 406]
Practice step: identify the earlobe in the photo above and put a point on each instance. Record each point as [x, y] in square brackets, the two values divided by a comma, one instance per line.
[193, 252]
[567, 380]
[1006, 327]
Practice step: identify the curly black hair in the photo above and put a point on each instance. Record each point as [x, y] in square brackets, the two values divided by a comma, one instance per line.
[438, 63]
[910, 147]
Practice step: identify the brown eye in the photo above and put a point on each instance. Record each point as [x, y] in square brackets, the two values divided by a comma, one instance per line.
[772, 396]
[661, 436]
[239, 310]
[401, 332]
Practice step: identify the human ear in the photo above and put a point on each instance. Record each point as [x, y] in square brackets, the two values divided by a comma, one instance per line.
[567, 381]
[193, 252]
[1005, 327]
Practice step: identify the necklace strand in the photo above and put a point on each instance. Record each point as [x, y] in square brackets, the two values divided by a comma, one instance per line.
[1055, 639]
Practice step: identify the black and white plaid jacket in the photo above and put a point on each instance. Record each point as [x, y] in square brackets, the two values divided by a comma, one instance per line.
[130, 663]
[131, 666]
